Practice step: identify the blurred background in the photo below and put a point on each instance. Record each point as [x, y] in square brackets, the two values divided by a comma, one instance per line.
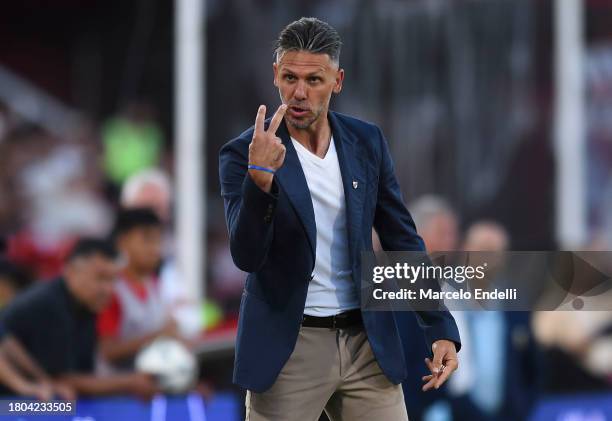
[499, 117]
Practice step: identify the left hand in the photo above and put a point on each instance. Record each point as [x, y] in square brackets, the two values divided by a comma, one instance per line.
[444, 363]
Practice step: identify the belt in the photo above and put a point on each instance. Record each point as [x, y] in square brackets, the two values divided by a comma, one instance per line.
[338, 321]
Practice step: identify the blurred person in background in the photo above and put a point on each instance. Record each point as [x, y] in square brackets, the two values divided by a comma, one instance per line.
[19, 373]
[438, 223]
[498, 380]
[55, 322]
[152, 188]
[132, 141]
[64, 193]
[136, 315]
[52, 194]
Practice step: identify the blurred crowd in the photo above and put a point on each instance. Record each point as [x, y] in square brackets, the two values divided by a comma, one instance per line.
[88, 274]
[509, 360]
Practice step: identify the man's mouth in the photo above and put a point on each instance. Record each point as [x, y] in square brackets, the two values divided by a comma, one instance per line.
[297, 111]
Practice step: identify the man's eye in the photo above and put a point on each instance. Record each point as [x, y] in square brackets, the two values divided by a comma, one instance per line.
[289, 77]
[314, 79]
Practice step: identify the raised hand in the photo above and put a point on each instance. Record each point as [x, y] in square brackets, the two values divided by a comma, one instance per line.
[266, 149]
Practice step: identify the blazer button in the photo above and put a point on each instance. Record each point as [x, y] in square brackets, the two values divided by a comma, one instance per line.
[267, 219]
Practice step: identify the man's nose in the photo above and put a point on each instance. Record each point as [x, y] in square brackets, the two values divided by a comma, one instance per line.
[300, 91]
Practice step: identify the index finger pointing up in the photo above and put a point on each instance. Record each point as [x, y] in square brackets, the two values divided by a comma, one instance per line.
[259, 120]
[276, 120]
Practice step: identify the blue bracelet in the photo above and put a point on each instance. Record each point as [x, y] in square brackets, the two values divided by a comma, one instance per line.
[257, 167]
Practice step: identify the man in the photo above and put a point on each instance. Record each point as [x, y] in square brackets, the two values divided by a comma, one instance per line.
[300, 208]
[55, 322]
[438, 223]
[136, 315]
[19, 374]
[152, 188]
[498, 380]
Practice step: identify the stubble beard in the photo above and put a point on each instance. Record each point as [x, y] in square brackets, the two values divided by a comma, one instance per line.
[301, 125]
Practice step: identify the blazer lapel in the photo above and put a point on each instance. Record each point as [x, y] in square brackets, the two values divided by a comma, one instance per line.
[354, 181]
[291, 177]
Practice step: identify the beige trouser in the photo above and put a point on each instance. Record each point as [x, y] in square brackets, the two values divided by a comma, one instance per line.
[331, 370]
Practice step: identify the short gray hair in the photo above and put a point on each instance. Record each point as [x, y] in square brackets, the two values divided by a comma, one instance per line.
[426, 207]
[311, 35]
[135, 183]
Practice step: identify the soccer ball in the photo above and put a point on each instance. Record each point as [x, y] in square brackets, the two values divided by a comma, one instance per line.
[171, 363]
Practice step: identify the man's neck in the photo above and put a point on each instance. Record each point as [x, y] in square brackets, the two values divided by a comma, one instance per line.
[315, 138]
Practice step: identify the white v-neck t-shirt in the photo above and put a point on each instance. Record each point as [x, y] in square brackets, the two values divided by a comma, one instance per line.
[332, 290]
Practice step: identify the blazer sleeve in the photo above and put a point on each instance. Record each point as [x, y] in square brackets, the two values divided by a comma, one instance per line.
[397, 232]
[249, 211]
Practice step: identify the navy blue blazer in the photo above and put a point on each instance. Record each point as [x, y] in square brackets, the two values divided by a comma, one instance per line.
[272, 237]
